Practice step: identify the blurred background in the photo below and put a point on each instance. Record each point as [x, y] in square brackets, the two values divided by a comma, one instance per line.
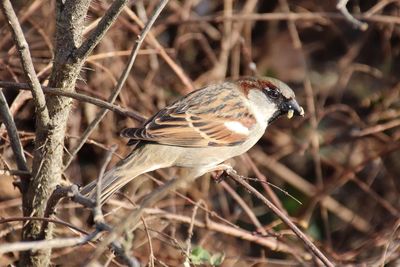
[335, 172]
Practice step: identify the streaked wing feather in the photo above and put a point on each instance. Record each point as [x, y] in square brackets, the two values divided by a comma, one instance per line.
[197, 120]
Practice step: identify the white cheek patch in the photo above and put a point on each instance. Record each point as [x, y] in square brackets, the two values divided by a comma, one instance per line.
[237, 127]
[262, 108]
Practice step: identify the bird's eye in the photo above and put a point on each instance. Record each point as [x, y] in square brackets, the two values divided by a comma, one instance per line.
[272, 93]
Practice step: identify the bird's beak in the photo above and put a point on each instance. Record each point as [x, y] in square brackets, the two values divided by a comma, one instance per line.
[292, 108]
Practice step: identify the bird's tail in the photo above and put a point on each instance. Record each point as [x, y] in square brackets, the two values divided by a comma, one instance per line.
[140, 161]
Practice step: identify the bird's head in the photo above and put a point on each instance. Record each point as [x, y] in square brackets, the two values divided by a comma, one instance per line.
[271, 97]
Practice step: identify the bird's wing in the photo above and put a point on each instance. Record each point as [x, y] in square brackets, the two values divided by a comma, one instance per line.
[206, 117]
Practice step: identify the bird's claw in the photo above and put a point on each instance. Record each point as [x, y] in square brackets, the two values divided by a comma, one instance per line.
[221, 172]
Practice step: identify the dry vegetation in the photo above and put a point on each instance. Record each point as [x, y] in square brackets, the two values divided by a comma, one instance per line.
[341, 161]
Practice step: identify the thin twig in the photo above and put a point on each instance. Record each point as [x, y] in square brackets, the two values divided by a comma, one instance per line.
[26, 61]
[151, 256]
[274, 186]
[253, 218]
[74, 194]
[202, 207]
[294, 34]
[263, 179]
[315, 150]
[58, 194]
[310, 189]
[46, 244]
[306, 16]
[379, 6]
[98, 33]
[80, 97]
[389, 242]
[152, 40]
[121, 82]
[12, 131]
[132, 218]
[376, 128]
[210, 225]
[341, 6]
[190, 233]
[282, 216]
[24, 219]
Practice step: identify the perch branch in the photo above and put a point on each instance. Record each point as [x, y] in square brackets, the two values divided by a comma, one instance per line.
[239, 179]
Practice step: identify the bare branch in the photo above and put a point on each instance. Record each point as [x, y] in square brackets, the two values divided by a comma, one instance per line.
[12, 131]
[247, 210]
[98, 33]
[74, 194]
[24, 219]
[190, 233]
[132, 219]
[345, 214]
[341, 6]
[45, 244]
[276, 16]
[151, 256]
[120, 83]
[239, 179]
[272, 243]
[26, 61]
[80, 97]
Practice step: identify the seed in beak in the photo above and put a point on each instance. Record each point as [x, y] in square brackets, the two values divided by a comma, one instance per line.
[290, 113]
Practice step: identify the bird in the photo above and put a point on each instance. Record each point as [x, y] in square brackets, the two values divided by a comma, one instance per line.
[201, 130]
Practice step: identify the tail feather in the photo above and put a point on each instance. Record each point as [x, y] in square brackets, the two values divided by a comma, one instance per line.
[140, 161]
[112, 181]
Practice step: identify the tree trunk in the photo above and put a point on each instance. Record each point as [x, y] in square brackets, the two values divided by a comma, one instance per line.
[49, 143]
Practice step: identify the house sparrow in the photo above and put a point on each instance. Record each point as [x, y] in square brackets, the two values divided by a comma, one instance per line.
[202, 130]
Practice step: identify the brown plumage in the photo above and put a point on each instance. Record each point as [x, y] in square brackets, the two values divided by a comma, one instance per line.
[201, 130]
[197, 120]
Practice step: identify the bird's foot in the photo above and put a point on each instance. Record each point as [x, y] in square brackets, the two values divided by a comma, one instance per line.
[221, 172]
